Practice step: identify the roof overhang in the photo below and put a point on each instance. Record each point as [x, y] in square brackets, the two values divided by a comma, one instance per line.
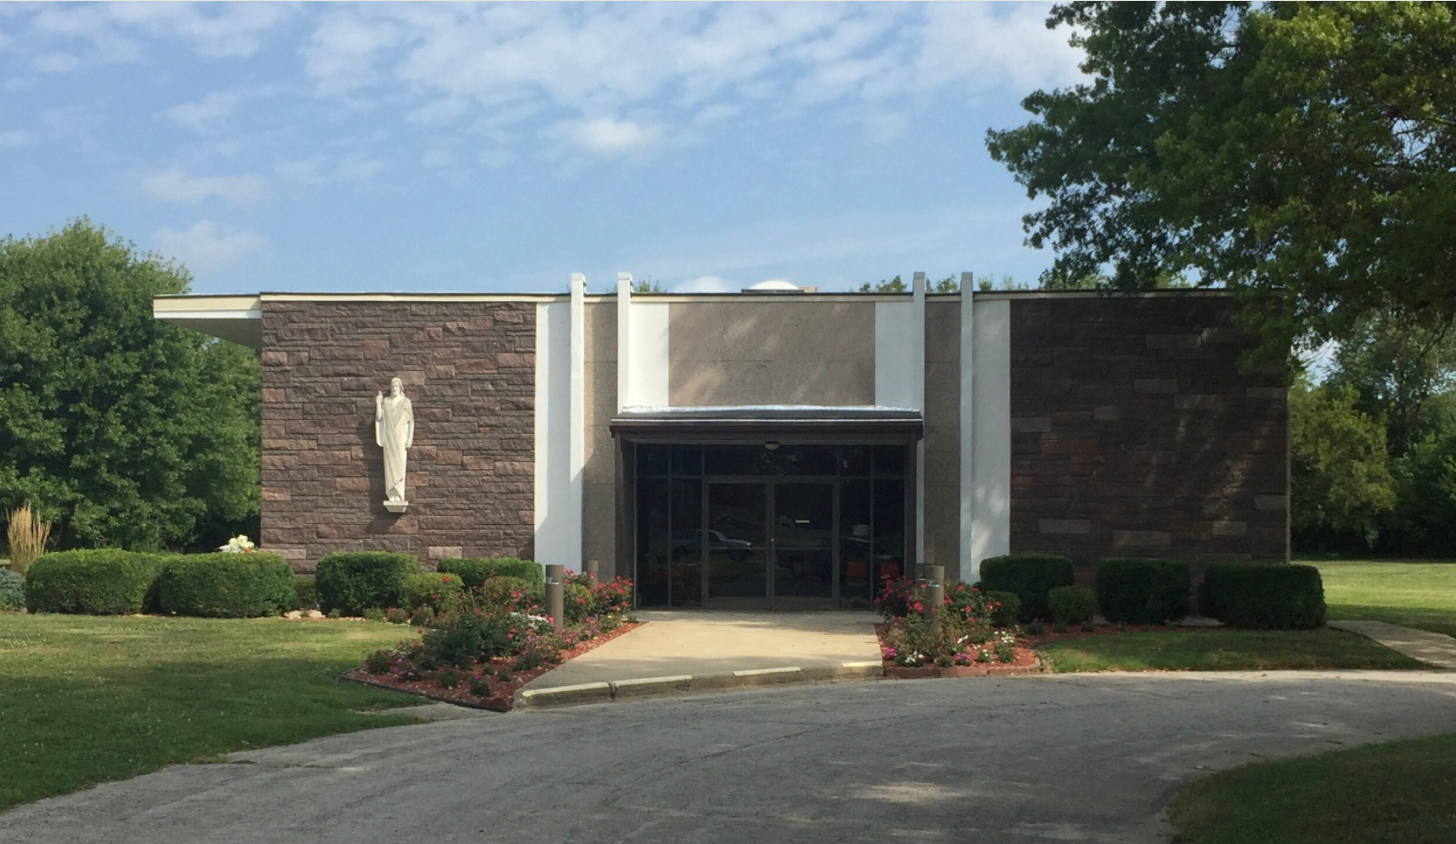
[237, 319]
[866, 423]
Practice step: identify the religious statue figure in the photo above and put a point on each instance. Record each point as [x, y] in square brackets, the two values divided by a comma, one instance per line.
[394, 431]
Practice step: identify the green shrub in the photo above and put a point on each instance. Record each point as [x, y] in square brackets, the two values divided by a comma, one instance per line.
[1138, 591]
[476, 571]
[1028, 576]
[103, 581]
[1005, 608]
[12, 590]
[1072, 605]
[221, 585]
[1276, 596]
[510, 594]
[305, 593]
[438, 591]
[467, 639]
[354, 581]
[576, 602]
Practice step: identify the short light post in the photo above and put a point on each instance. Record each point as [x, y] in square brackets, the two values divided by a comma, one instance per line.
[555, 599]
[591, 570]
[934, 594]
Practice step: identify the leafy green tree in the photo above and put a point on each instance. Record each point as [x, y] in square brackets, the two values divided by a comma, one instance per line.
[1401, 371]
[646, 285]
[1303, 155]
[949, 284]
[1340, 476]
[123, 429]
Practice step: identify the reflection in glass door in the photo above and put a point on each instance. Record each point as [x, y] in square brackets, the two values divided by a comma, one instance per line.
[803, 545]
[736, 536]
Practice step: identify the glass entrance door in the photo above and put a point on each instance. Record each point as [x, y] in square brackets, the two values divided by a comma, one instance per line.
[803, 545]
[735, 537]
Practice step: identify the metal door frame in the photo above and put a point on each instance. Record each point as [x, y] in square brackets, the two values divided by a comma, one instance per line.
[771, 483]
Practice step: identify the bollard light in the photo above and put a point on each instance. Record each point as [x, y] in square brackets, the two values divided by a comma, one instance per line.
[591, 570]
[934, 593]
[555, 597]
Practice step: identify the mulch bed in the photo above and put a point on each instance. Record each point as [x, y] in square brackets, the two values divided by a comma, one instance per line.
[502, 695]
[1025, 662]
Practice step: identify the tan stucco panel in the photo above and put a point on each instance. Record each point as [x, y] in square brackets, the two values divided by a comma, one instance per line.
[753, 353]
[599, 472]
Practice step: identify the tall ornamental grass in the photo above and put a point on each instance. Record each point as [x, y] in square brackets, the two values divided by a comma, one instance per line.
[27, 536]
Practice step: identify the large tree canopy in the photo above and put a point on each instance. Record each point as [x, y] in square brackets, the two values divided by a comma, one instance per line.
[126, 430]
[1303, 155]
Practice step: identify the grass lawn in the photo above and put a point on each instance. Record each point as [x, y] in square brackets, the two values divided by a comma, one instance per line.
[1413, 594]
[1221, 650]
[85, 699]
[1396, 793]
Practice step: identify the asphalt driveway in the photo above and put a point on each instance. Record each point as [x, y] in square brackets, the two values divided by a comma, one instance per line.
[1072, 758]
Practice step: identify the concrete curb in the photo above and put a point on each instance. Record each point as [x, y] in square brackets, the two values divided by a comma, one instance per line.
[644, 688]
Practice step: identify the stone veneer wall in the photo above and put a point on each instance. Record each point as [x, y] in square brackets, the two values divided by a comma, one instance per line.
[469, 371]
[1135, 434]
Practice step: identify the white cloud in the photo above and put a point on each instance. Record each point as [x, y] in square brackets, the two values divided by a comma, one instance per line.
[321, 169]
[208, 247]
[14, 138]
[707, 284]
[177, 186]
[608, 135]
[197, 115]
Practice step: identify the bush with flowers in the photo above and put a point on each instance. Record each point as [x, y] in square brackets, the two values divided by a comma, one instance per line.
[963, 633]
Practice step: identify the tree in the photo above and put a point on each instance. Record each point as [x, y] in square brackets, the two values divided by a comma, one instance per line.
[122, 429]
[1303, 155]
[1340, 478]
[646, 285]
[1403, 373]
[949, 284]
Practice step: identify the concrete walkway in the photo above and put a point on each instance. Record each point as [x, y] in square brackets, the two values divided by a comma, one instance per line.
[718, 649]
[1437, 649]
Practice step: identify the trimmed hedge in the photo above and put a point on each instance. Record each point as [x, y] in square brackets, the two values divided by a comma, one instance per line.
[1072, 604]
[1276, 596]
[102, 581]
[305, 594]
[219, 585]
[439, 591]
[1028, 576]
[12, 590]
[475, 571]
[1139, 591]
[1008, 611]
[354, 581]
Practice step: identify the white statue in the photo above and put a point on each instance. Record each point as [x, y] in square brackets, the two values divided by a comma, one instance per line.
[394, 431]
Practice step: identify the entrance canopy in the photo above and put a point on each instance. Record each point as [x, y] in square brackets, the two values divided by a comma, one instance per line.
[868, 423]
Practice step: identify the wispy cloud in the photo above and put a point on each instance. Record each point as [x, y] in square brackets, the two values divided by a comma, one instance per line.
[207, 247]
[15, 138]
[177, 186]
[321, 169]
[606, 135]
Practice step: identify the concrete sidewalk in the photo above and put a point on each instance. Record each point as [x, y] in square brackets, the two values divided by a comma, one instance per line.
[1437, 649]
[689, 651]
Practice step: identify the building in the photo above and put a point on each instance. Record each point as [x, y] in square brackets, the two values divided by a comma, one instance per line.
[767, 448]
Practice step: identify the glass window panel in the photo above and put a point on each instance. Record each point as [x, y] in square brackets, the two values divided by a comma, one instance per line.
[687, 460]
[854, 460]
[652, 543]
[686, 570]
[804, 460]
[856, 575]
[890, 460]
[735, 460]
[889, 530]
[652, 460]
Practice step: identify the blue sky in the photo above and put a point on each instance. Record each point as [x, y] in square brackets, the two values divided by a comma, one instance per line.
[483, 147]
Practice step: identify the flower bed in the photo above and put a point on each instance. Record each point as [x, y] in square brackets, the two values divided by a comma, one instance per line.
[499, 694]
[963, 641]
[494, 639]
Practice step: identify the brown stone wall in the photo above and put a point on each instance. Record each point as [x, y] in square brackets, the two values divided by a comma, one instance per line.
[1133, 433]
[942, 465]
[469, 371]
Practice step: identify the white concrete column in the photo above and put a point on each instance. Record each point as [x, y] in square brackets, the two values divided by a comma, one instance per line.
[969, 565]
[624, 339]
[559, 430]
[917, 344]
[991, 416]
[577, 442]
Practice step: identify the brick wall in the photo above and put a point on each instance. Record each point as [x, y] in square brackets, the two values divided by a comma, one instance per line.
[1135, 434]
[469, 371]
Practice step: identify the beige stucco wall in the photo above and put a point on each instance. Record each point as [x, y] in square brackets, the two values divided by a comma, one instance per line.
[754, 353]
[942, 433]
[599, 472]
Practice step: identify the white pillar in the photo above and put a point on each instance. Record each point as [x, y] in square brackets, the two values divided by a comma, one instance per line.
[991, 415]
[624, 340]
[577, 442]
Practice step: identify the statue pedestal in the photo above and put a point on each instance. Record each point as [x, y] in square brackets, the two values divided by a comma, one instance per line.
[396, 506]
